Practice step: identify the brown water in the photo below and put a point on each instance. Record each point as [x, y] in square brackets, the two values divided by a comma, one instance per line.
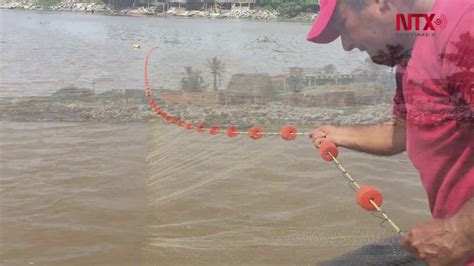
[73, 194]
[150, 194]
[128, 194]
[220, 201]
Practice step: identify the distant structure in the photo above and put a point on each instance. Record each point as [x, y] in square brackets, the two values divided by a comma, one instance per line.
[249, 89]
[298, 78]
[299, 86]
[200, 98]
[210, 4]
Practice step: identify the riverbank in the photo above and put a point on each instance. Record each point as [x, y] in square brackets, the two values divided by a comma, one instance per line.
[93, 8]
[116, 107]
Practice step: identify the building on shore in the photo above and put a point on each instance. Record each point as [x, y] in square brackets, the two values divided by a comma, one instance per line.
[206, 5]
[249, 89]
[200, 98]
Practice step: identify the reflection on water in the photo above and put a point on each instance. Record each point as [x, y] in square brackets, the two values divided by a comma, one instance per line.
[48, 51]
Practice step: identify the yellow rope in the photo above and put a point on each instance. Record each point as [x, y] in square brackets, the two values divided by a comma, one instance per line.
[353, 182]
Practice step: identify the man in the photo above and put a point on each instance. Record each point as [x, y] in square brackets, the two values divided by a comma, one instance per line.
[433, 111]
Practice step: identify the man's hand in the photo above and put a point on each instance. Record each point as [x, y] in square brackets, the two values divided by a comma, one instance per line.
[382, 139]
[324, 134]
[439, 242]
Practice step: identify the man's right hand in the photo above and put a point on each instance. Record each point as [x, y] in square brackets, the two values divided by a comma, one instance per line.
[387, 138]
[324, 134]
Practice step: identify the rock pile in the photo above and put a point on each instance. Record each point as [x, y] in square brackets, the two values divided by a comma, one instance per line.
[234, 13]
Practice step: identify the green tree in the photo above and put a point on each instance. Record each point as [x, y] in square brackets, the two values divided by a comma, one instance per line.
[217, 70]
[48, 3]
[291, 8]
[329, 69]
[193, 81]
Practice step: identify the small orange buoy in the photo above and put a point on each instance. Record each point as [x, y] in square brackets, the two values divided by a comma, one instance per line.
[214, 129]
[367, 193]
[327, 149]
[189, 125]
[255, 133]
[288, 133]
[232, 132]
[180, 123]
[200, 128]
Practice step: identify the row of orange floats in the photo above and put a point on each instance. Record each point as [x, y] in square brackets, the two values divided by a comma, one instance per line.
[288, 133]
[368, 197]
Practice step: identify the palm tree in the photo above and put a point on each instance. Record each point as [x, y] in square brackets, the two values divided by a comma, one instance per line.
[217, 70]
[464, 58]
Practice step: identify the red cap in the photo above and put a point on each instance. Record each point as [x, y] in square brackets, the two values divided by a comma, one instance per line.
[322, 32]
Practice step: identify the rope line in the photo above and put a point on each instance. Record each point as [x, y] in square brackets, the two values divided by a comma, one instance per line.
[369, 198]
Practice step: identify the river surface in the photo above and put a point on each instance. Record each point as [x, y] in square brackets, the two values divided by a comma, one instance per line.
[43, 52]
[151, 194]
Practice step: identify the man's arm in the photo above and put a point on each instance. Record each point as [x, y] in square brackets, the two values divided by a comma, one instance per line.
[387, 138]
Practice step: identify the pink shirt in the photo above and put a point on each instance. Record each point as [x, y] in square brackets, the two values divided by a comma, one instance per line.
[435, 95]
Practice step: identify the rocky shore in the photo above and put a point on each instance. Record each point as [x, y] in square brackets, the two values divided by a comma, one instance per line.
[114, 107]
[62, 6]
[72, 6]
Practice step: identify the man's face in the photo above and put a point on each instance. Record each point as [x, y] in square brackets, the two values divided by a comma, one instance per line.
[371, 29]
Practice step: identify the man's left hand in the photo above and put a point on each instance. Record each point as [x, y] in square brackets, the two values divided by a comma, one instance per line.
[439, 242]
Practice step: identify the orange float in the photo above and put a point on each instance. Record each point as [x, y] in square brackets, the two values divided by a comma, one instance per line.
[180, 123]
[255, 133]
[200, 128]
[288, 133]
[214, 130]
[232, 132]
[327, 149]
[189, 125]
[366, 193]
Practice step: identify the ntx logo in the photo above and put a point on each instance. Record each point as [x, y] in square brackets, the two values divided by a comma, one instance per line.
[421, 22]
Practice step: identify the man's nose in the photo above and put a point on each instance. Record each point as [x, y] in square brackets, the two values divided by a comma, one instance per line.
[347, 43]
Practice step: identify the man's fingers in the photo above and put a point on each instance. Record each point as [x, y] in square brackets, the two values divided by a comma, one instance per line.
[317, 134]
[406, 240]
[317, 142]
[407, 243]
